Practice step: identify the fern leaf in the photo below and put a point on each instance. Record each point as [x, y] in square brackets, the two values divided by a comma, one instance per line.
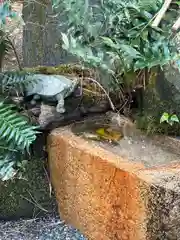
[14, 129]
[17, 80]
[7, 170]
[11, 163]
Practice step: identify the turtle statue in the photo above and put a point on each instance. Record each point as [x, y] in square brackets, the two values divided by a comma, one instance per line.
[51, 87]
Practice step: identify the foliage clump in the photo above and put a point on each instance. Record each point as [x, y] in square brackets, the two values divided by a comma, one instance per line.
[117, 35]
[118, 38]
[17, 134]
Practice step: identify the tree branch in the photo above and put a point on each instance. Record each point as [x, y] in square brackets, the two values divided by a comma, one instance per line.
[161, 13]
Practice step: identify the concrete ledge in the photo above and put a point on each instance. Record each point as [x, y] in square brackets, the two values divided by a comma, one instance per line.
[107, 196]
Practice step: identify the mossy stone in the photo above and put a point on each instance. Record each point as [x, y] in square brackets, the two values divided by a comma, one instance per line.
[68, 69]
[163, 96]
[28, 197]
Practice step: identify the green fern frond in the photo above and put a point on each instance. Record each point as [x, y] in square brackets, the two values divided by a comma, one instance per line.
[7, 166]
[11, 164]
[16, 136]
[14, 128]
[17, 80]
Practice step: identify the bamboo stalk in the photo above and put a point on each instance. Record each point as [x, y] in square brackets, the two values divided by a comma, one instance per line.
[161, 13]
[176, 25]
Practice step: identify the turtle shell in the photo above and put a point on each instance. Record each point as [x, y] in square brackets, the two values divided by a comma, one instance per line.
[50, 85]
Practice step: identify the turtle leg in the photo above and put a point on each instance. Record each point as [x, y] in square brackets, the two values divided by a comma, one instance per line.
[35, 98]
[60, 106]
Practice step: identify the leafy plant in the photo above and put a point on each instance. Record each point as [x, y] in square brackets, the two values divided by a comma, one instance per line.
[156, 114]
[117, 37]
[15, 81]
[17, 134]
[169, 118]
[117, 34]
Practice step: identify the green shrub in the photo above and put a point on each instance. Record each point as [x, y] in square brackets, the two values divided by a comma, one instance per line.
[117, 36]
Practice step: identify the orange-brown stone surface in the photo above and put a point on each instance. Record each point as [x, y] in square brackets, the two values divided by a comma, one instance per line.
[103, 194]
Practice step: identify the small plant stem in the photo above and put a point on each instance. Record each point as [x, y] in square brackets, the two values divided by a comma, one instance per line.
[109, 99]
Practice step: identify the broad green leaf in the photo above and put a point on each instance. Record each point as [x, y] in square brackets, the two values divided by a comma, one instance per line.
[109, 42]
[164, 117]
[174, 118]
[132, 52]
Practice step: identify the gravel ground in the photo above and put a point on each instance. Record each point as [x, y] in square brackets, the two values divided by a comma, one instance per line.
[48, 228]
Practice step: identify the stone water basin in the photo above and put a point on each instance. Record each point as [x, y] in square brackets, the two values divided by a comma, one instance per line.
[129, 190]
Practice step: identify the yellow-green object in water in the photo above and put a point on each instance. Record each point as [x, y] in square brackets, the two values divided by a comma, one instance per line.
[109, 134]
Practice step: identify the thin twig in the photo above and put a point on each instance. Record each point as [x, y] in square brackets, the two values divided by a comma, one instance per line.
[34, 202]
[49, 182]
[102, 88]
[123, 106]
